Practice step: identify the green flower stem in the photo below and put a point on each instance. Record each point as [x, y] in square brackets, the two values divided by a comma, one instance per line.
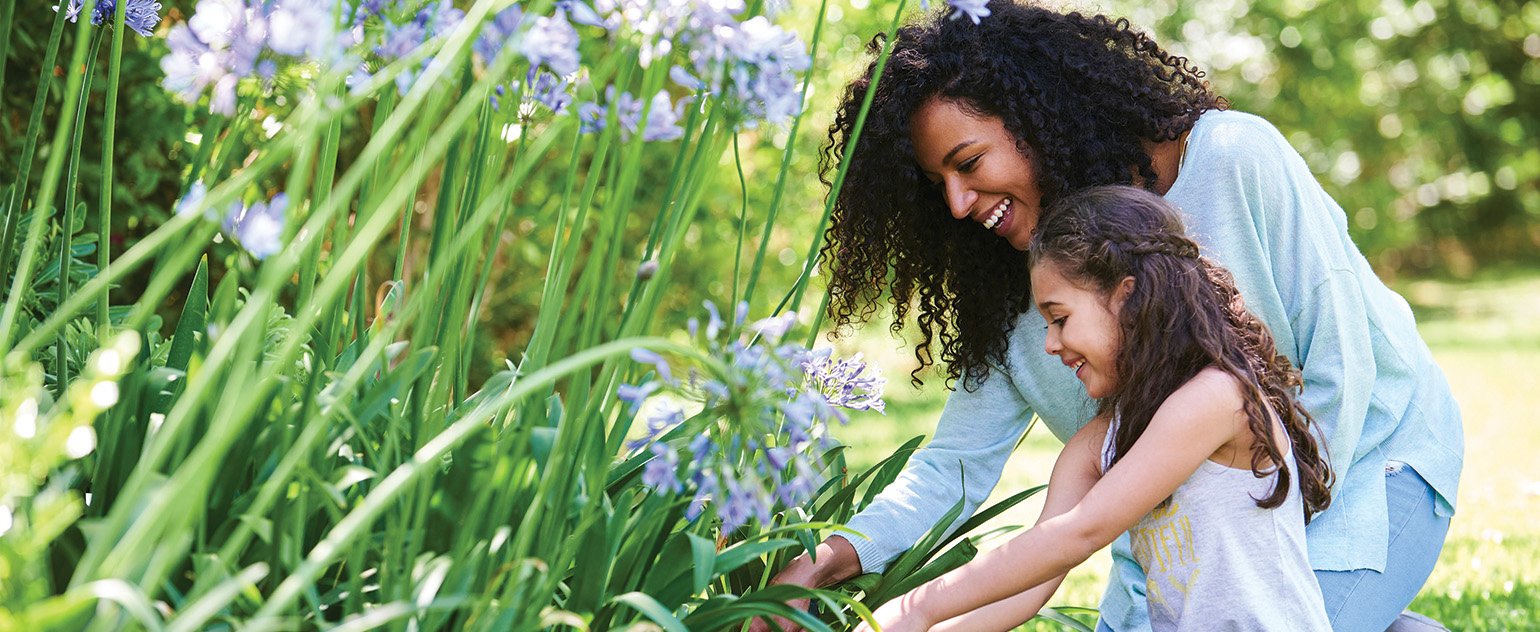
[8, 18]
[21, 281]
[743, 219]
[780, 179]
[71, 187]
[109, 134]
[17, 204]
[839, 177]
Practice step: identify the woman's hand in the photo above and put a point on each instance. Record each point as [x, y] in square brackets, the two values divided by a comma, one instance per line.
[899, 615]
[837, 561]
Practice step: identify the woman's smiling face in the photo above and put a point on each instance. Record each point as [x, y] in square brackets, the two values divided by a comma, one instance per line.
[973, 158]
[1083, 325]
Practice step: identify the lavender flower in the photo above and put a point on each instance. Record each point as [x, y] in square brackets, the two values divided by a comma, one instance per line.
[303, 28]
[553, 43]
[635, 395]
[259, 227]
[845, 383]
[662, 120]
[549, 90]
[496, 33]
[648, 356]
[401, 39]
[741, 503]
[194, 196]
[974, 9]
[580, 12]
[216, 48]
[139, 15]
[591, 118]
[683, 77]
[754, 64]
[661, 473]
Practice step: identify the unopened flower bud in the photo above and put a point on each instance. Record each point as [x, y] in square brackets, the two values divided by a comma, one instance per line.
[647, 269]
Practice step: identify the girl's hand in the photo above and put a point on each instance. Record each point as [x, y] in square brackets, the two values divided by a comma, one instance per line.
[898, 615]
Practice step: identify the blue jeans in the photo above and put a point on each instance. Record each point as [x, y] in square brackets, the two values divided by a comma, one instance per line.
[1365, 600]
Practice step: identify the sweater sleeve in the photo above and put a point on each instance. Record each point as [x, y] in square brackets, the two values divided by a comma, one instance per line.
[974, 438]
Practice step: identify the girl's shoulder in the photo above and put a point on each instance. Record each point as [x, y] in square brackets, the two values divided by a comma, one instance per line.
[1212, 395]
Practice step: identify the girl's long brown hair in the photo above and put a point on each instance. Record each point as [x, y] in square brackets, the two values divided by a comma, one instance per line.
[1183, 315]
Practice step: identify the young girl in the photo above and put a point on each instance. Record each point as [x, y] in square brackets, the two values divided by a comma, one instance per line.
[1199, 449]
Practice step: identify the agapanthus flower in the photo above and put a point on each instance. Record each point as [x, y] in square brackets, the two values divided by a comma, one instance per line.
[194, 196]
[662, 120]
[759, 406]
[635, 395]
[259, 227]
[590, 117]
[845, 382]
[973, 9]
[549, 90]
[552, 42]
[139, 15]
[648, 356]
[303, 28]
[214, 49]
[661, 473]
[580, 12]
[496, 33]
[400, 40]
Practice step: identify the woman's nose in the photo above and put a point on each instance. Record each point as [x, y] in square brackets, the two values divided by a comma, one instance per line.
[960, 198]
[1051, 344]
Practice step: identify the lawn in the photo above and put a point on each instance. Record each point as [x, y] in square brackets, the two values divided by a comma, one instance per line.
[1483, 333]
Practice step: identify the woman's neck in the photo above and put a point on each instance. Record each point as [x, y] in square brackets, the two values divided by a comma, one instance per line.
[1166, 160]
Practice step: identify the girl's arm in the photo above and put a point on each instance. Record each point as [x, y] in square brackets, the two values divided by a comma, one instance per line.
[1074, 474]
[1193, 423]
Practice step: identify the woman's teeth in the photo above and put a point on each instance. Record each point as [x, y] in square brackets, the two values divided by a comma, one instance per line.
[998, 214]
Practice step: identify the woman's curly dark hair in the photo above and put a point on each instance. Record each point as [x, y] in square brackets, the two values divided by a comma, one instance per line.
[1080, 93]
[1182, 316]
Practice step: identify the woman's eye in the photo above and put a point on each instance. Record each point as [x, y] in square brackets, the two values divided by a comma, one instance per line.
[1060, 321]
[969, 164]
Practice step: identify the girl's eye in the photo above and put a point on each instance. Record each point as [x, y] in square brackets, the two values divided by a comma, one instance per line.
[969, 164]
[1060, 321]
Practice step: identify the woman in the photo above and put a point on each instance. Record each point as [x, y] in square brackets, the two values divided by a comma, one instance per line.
[975, 129]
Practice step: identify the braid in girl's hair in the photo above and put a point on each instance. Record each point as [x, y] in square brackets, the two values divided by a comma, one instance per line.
[1183, 315]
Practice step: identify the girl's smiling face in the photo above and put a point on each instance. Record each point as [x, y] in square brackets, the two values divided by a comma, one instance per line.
[1083, 325]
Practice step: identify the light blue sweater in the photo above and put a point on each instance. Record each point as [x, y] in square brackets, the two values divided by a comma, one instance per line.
[1370, 382]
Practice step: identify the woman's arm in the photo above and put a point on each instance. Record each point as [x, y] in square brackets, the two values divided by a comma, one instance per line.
[977, 431]
[1196, 421]
[1075, 472]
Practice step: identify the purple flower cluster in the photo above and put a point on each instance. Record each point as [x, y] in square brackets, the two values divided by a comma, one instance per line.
[398, 40]
[259, 227]
[226, 41]
[844, 382]
[661, 123]
[139, 15]
[765, 412]
[752, 63]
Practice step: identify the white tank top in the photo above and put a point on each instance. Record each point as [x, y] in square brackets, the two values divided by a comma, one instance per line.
[1216, 561]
